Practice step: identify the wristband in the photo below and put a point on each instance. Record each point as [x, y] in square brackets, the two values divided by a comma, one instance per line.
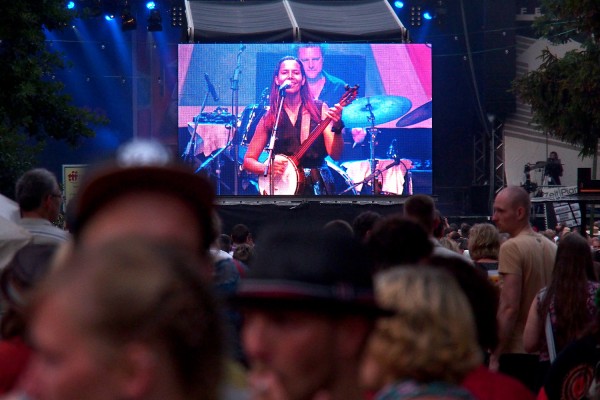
[338, 127]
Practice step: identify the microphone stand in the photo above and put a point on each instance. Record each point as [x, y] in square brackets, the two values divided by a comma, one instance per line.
[190, 150]
[210, 159]
[408, 181]
[271, 145]
[235, 112]
[393, 154]
[373, 134]
[372, 176]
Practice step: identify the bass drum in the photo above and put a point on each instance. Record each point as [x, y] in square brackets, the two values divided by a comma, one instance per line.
[248, 121]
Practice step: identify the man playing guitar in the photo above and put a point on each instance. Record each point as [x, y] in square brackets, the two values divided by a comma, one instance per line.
[300, 116]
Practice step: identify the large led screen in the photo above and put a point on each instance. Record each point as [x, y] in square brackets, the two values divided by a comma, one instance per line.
[228, 93]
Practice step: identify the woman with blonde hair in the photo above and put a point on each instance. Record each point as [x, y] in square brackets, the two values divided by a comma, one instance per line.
[484, 247]
[429, 345]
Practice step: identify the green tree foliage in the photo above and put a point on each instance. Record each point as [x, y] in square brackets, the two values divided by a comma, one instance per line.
[33, 106]
[565, 93]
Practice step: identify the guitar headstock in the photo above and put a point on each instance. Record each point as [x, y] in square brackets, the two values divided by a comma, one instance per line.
[349, 96]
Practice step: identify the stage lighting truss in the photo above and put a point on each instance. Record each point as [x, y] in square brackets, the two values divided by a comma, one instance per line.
[154, 20]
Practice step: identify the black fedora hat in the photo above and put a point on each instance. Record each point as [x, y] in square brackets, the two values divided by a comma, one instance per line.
[311, 270]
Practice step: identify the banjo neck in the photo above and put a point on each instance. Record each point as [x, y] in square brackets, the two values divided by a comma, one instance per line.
[346, 99]
[310, 140]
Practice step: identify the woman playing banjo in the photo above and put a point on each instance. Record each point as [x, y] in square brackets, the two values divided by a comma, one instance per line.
[299, 117]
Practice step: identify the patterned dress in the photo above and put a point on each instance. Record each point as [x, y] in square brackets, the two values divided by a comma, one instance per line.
[410, 389]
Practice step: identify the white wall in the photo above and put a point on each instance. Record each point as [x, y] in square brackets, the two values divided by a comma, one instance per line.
[523, 143]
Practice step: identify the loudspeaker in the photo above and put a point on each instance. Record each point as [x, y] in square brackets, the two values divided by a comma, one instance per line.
[584, 176]
[422, 182]
[585, 183]
[498, 61]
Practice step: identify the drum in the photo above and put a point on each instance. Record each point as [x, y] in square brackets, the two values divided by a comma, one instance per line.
[248, 121]
[391, 180]
[294, 180]
[342, 182]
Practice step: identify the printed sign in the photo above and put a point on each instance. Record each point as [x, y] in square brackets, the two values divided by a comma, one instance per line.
[556, 192]
[72, 176]
[569, 213]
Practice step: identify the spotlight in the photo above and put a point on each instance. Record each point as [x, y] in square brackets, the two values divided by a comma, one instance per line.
[154, 21]
[71, 5]
[415, 15]
[109, 17]
[150, 5]
[177, 16]
[427, 15]
[398, 4]
[128, 21]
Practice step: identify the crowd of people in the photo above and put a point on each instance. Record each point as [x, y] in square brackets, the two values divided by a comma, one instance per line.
[146, 298]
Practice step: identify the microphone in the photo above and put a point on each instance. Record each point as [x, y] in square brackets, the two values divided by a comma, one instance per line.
[211, 88]
[391, 153]
[283, 87]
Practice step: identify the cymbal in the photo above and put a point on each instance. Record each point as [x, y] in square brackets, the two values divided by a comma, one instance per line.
[417, 115]
[384, 108]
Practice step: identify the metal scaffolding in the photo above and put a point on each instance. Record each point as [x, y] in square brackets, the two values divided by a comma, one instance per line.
[479, 161]
[499, 176]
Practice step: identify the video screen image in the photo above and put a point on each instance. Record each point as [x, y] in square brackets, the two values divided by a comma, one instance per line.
[232, 97]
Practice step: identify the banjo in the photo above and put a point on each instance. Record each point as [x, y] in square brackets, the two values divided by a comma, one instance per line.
[291, 181]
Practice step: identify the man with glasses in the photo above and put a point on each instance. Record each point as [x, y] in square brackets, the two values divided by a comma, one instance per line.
[40, 199]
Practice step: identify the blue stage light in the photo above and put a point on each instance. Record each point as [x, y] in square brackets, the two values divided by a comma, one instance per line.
[71, 5]
[398, 4]
[109, 17]
[150, 5]
[427, 15]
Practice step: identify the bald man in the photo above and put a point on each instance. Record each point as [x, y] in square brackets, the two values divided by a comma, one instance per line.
[526, 261]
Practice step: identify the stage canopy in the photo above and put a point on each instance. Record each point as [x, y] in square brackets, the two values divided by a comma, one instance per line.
[277, 21]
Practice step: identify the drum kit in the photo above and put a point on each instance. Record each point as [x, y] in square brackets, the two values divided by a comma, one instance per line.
[355, 177]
